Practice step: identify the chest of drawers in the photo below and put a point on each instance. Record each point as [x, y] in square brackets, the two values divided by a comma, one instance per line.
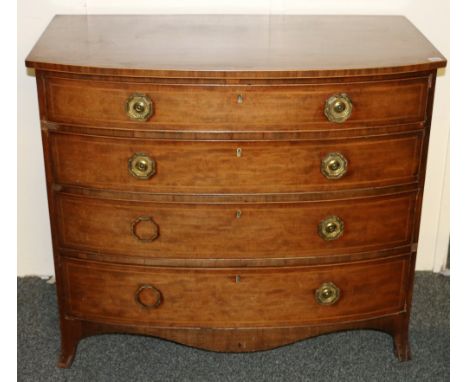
[234, 183]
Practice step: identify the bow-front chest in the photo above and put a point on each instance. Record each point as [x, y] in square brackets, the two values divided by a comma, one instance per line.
[234, 183]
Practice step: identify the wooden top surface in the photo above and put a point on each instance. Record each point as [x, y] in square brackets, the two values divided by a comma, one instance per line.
[233, 46]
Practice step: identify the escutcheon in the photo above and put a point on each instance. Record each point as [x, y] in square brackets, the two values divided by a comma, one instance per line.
[145, 229]
[141, 166]
[334, 166]
[327, 294]
[331, 228]
[148, 296]
[338, 108]
[139, 107]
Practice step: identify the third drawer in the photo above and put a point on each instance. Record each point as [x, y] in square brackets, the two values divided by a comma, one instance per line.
[235, 231]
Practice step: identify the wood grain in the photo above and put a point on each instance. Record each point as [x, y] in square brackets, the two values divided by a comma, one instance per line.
[214, 231]
[233, 298]
[205, 107]
[234, 262]
[316, 132]
[215, 167]
[234, 339]
[233, 46]
[234, 247]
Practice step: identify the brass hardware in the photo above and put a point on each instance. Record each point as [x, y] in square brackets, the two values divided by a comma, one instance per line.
[334, 166]
[139, 107]
[238, 152]
[149, 223]
[238, 214]
[141, 166]
[338, 108]
[327, 294]
[331, 228]
[148, 292]
[240, 99]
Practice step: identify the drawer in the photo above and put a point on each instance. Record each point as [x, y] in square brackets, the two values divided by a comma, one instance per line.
[236, 108]
[233, 297]
[234, 167]
[223, 231]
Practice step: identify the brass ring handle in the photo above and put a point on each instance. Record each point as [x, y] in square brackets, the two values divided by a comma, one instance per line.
[338, 108]
[327, 294]
[334, 166]
[148, 296]
[141, 166]
[139, 107]
[331, 228]
[145, 229]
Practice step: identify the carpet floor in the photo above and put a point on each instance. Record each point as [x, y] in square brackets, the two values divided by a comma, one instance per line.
[362, 355]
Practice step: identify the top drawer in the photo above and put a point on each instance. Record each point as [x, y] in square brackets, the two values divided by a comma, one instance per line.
[234, 108]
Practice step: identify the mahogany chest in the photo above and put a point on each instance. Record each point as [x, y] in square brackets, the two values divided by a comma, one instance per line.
[234, 183]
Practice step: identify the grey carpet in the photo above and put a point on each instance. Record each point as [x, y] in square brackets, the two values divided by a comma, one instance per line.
[346, 356]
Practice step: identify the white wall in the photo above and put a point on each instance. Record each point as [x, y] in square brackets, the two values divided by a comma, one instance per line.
[430, 16]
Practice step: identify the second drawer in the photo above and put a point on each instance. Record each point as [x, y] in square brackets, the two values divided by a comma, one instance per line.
[235, 167]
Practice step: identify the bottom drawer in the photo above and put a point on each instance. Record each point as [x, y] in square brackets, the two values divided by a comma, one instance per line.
[233, 297]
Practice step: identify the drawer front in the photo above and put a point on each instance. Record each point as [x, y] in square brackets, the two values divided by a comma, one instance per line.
[234, 167]
[211, 108]
[233, 297]
[270, 230]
